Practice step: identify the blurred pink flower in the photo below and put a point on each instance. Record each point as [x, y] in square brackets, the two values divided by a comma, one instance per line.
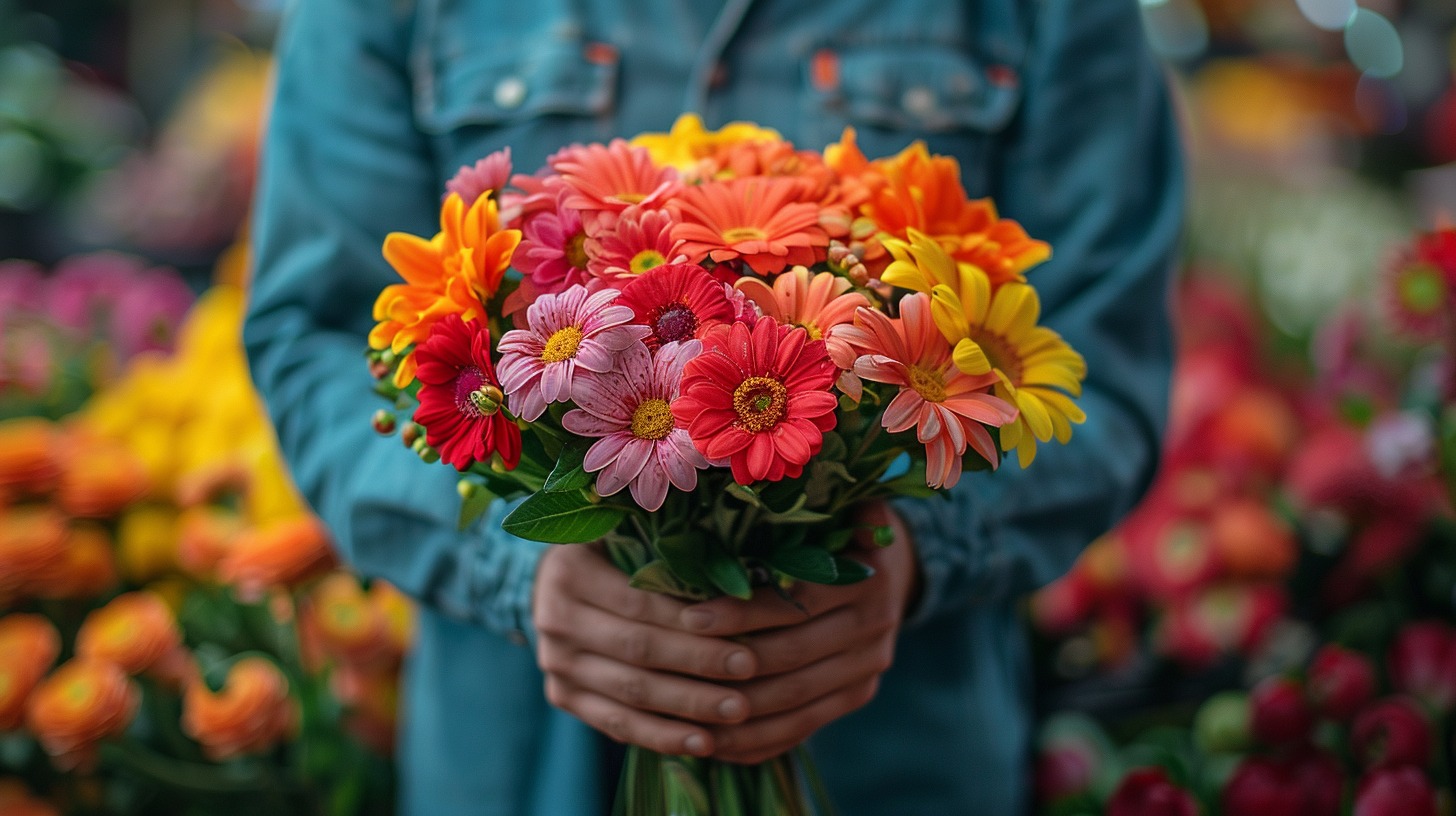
[473, 181]
[147, 316]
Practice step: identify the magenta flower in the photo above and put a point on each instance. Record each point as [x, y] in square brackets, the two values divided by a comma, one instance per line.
[552, 253]
[567, 330]
[149, 313]
[630, 409]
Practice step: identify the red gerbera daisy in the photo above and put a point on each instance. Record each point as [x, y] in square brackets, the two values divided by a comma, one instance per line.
[759, 398]
[678, 302]
[461, 403]
[761, 220]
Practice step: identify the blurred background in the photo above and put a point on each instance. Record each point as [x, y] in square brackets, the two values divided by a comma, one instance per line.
[1273, 631]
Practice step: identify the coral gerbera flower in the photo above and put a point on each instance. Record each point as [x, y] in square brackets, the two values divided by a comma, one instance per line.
[761, 220]
[820, 303]
[565, 330]
[461, 401]
[641, 443]
[455, 272]
[759, 398]
[677, 302]
[640, 240]
[948, 408]
[553, 250]
[997, 332]
[604, 180]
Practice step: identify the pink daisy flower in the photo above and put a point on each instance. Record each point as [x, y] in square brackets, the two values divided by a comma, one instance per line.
[759, 399]
[821, 303]
[641, 444]
[553, 250]
[640, 240]
[948, 408]
[677, 302]
[489, 174]
[565, 331]
[604, 180]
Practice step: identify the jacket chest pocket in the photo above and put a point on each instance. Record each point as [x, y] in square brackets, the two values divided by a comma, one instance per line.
[541, 87]
[893, 94]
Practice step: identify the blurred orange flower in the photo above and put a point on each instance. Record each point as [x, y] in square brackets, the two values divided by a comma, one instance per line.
[372, 698]
[16, 800]
[399, 615]
[284, 553]
[350, 625]
[102, 477]
[205, 533]
[135, 631]
[28, 646]
[28, 460]
[82, 703]
[250, 714]
[32, 541]
[87, 568]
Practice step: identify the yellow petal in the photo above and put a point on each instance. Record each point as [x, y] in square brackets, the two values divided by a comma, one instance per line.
[1035, 414]
[970, 357]
[1014, 311]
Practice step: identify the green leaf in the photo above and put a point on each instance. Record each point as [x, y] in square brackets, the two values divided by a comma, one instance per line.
[568, 473]
[810, 564]
[475, 499]
[728, 574]
[687, 557]
[743, 493]
[657, 577]
[685, 794]
[561, 518]
[850, 571]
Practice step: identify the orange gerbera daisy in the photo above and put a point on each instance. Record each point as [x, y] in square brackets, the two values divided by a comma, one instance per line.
[820, 303]
[762, 221]
[455, 272]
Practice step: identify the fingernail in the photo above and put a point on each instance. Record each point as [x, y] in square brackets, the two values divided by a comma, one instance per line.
[731, 708]
[697, 619]
[695, 744]
[739, 664]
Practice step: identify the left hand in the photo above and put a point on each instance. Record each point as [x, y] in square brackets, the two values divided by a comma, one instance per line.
[813, 669]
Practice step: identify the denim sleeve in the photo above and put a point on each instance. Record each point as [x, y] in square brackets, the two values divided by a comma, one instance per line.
[1093, 165]
[344, 165]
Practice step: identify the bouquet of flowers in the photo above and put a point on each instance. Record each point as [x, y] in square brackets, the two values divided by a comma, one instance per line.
[704, 349]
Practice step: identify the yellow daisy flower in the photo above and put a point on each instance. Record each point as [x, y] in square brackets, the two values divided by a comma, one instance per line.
[689, 141]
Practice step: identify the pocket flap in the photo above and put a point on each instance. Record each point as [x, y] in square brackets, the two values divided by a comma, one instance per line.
[918, 88]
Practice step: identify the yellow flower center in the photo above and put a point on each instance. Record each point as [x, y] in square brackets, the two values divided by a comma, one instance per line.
[760, 403]
[1421, 288]
[737, 234]
[630, 198]
[575, 250]
[927, 383]
[814, 332]
[652, 420]
[562, 345]
[77, 691]
[645, 260]
[1001, 354]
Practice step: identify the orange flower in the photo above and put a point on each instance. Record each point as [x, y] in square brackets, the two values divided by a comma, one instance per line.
[28, 646]
[16, 800]
[455, 272]
[87, 568]
[285, 553]
[28, 460]
[763, 221]
[923, 192]
[103, 478]
[205, 534]
[399, 615]
[372, 699]
[349, 625]
[249, 715]
[32, 541]
[135, 631]
[79, 705]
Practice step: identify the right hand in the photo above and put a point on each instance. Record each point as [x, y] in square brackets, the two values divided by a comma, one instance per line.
[619, 659]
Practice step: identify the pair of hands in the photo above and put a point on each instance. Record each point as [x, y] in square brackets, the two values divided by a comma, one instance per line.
[733, 680]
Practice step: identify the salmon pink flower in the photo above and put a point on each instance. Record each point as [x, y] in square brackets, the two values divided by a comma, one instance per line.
[461, 400]
[948, 408]
[677, 302]
[80, 704]
[553, 250]
[603, 180]
[490, 174]
[29, 645]
[759, 220]
[820, 303]
[759, 398]
[641, 443]
[565, 331]
[641, 240]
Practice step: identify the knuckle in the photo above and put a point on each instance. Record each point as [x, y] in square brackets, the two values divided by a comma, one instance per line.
[556, 693]
[632, 690]
[884, 658]
[615, 725]
[636, 647]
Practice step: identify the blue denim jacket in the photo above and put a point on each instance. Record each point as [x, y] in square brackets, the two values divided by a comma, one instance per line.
[1054, 107]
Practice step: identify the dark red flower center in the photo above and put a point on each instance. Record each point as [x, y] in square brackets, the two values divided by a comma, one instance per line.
[475, 396]
[673, 322]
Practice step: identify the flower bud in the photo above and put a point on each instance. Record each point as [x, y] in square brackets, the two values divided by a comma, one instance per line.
[1340, 682]
[1279, 714]
[427, 454]
[384, 422]
[838, 252]
[1395, 792]
[411, 433]
[467, 489]
[1391, 733]
[487, 399]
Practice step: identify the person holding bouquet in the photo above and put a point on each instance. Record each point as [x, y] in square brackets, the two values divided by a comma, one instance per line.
[910, 687]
